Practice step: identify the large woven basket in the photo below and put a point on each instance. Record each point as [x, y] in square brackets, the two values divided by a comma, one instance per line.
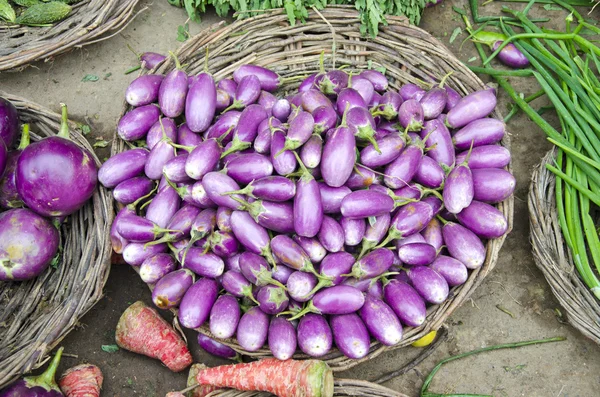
[89, 22]
[36, 315]
[553, 257]
[408, 54]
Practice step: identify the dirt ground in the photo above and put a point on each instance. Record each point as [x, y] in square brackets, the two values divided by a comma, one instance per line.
[564, 369]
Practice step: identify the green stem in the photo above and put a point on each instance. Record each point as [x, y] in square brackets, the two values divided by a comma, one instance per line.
[528, 99]
[25, 138]
[46, 379]
[64, 123]
[588, 193]
[503, 73]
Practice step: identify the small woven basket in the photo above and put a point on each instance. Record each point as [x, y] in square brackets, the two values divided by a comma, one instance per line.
[553, 257]
[409, 55]
[90, 21]
[36, 315]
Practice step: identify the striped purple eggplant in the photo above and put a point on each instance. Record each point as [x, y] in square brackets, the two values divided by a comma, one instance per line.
[143, 90]
[472, 107]
[366, 203]
[479, 132]
[224, 317]
[200, 103]
[464, 245]
[173, 92]
[308, 207]
[483, 219]
[339, 154]
[458, 189]
[453, 270]
[253, 329]
[311, 151]
[406, 303]
[492, 185]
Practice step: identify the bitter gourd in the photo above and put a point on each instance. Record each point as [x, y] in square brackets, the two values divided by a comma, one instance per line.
[6, 11]
[44, 13]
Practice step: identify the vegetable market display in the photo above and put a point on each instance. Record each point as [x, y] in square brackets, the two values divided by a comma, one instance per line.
[52, 239]
[562, 211]
[298, 216]
[32, 30]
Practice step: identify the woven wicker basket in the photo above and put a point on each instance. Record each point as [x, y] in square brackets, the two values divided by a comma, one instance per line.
[408, 53]
[553, 257]
[89, 22]
[36, 315]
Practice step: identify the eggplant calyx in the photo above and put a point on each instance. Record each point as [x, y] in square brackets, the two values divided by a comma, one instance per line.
[46, 379]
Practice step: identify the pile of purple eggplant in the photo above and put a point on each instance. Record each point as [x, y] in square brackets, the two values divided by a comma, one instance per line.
[41, 183]
[330, 216]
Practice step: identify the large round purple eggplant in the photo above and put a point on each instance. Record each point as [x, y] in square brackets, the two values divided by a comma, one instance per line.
[350, 335]
[282, 338]
[143, 90]
[401, 171]
[9, 123]
[253, 329]
[438, 142]
[43, 385]
[215, 348]
[390, 148]
[314, 335]
[135, 254]
[479, 132]
[472, 107]
[381, 321]
[136, 123]
[410, 115]
[365, 204]
[483, 219]
[354, 230]
[331, 235]
[156, 267]
[28, 242]
[339, 299]
[464, 245]
[405, 302]
[486, 156]
[55, 176]
[417, 254]
[170, 289]
[410, 219]
[339, 154]
[248, 167]
[236, 284]
[122, 166]
[429, 284]
[200, 103]
[313, 248]
[492, 185]
[453, 270]
[272, 299]
[224, 317]
[458, 189]
[196, 304]
[163, 206]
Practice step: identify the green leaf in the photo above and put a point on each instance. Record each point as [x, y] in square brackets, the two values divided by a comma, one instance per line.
[183, 32]
[85, 129]
[100, 143]
[190, 7]
[90, 77]
[455, 34]
[110, 348]
[551, 7]
[289, 10]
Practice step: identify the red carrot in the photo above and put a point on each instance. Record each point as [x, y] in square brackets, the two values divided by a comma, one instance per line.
[175, 394]
[84, 380]
[201, 390]
[289, 378]
[142, 330]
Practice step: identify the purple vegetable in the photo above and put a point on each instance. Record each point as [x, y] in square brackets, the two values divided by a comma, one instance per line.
[139, 230]
[438, 142]
[55, 176]
[224, 317]
[281, 109]
[363, 87]
[308, 207]
[486, 156]
[405, 302]
[310, 154]
[347, 99]
[271, 188]
[313, 248]
[163, 206]
[9, 124]
[200, 103]
[135, 124]
[410, 115]
[251, 235]
[150, 60]
[42, 385]
[136, 253]
[390, 148]
[174, 169]
[435, 203]
[374, 264]
[478, 133]
[332, 197]
[408, 193]
[312, 99]
[262, 143]
[227, 85]
[483, 219]
[410, 219]
[433, 234]
[411, 91]
[472, 107]
[236, 284]
[417, 254]
[233, 263]
[375, 233]
[300, 286]
[28, 242]
[253, 329]
[331, 234]
[160, 155]
[257, 270]
[283, 162]
[267, 100]
[434, 102]
[314, 335]
[215, 348]
[272, 299]
[217, 185]
[325, 118]
[143, 90]
[430, 173]
[248, 167]
[332, 82]
[223, 101]
[350, 335]
[170, 289]
[414, 238]
[223, 128]
[389, 104]
[339, 299]
[9, 196]
[282, 338]
[429, 284]
[223, 219]
[511, 56]
[458, 189]
[246, 93]
[362, 177]
[402, 170]
[269, 80]
[197, 303]
[338, 158]
[375, 289]
[366, 203]
[453, 98]
[223, 244]
[156, 267]
[377, 79]
[464, 245]
[453, 271]
[173, 91]
[203, 159]
[492, 185]
[291, 254]
[354, 230]
[282, 273]
[163, 128]
[381, 321]
[334, 266]
[375, 102]
[362, 125]
[307, 83]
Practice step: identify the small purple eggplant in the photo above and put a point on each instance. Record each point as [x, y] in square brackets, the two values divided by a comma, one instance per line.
[483, 219]
[429, 284]
[307, 83]
[251, 235]
[173, 91]
[196, 304]
[374, 264]
[246, 93]
[354, 230]
[511, 56]
[187, 137]
[236, 284]
[458, 189]
[314, 335]
[282, 273]
[135, 124]
[164, 128]
[257, 270]
[364, 87]
[434, 101]
[151, 60]
[272, 299]
[253, 329]
[170, 289]
[200, 103]
[269, 80]
[215, 348]
[248, 167]
[453, 98]
[156, 267]
[362, 125]
[222, 129]
[308, 207]
[271, 188]
[224, 317]
[411, 91]
[381, 321]
[388, 107]
[143, 90]
[375, 232]
[492, 185]
[223, 244]
[417, 254]
[332, 197]
[278, 217]
[282, 338]
[163, 206]
[464, 245]
[410, 219]
[218, 185]
[262, 143]
[135, 254]
[414, 238]
[438, 142]
[223, 219]
[350, 335]
[43, 385]
[472, 107]
[227, 85]
[406, 303]
[410, 115]
[390, 147]
[311, 151]
[366, 203]
[486, 156]
[479, 132]
[429, 174]
[313, 99]
[325, 118]
[339, 299]
[281, 109]
[291, 254]
[433, 234]
[139, 230]
[334, 266]
[122, 166]
[331, 235]
[223, 101]
[400, 172]
[313, 248]
[203, 159]
[332, 82]
[339, 154]
[174, 169]
[453, 271]
[378, 80]
[131, 190]
[347, 99]
[284, 162]
[160, 154]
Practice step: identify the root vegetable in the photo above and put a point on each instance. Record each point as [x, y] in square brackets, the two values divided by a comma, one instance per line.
[84, 380]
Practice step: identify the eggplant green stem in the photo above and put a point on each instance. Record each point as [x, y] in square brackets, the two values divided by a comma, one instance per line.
[64, 123]
[46, 379]
[25, 138]
[443, 81]
[177, 64]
